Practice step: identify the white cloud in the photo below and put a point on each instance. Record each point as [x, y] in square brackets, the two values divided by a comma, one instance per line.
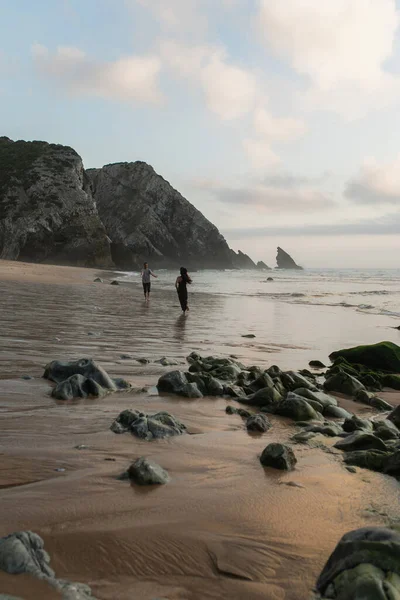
[340, 45]
[376, 183]
[131, 78]
[230, 91]
[260, 154]
[279, 129]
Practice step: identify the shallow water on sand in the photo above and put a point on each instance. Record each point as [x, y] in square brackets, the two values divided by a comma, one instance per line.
[224, 526]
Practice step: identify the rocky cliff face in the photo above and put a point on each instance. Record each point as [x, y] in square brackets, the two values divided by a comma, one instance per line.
[47, 213]
[143, 212]
[285, 261]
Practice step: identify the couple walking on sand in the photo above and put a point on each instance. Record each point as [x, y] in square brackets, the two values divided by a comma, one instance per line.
[181, 285]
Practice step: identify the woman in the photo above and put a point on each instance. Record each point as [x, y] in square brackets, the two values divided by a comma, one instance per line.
[180, 284]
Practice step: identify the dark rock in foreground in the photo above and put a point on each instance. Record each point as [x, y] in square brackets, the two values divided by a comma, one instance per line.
[148, 427]
[285, 261]
[344, 384]
[23, 552]
[80, 379]
[278, 456]
[317, 364]
[365, 565]
[258, 422]
[146, 472]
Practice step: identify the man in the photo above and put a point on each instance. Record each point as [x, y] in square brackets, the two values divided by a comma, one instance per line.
[146, 272]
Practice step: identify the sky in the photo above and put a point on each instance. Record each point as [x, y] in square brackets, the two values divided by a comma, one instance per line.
[279, 121]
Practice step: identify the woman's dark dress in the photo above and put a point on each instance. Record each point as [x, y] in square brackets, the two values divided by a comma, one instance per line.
[182, 293]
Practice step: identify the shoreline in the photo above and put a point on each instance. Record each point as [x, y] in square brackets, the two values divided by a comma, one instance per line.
[222, 527]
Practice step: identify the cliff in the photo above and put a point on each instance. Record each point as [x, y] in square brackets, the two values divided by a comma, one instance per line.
[285, 261]
[47, 213]
[142, 212]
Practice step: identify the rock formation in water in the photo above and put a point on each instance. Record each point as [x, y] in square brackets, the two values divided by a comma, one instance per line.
[285, 261]
[261, 265]
[47, 213]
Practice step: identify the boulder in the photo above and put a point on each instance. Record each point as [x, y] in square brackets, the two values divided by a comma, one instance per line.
[148, 427]
[115, 282]
[231, 410]
[23, 553]
[395, 416]
[176, 382]
[391, 381]
[285, 261]
[392, 465]
[58, 371]
[356, 423]
[330, 430]
[386, 430]
[360, 440]
[235, 391]
[296, 408]
[98, 280]
[167, 362]
[206, 383]
[370, 399]
[365, 565]
[323, 399]
[344, 384]
[278, 456]
[317, 364]
[77, 386]
[336, 412]
[292, 380]
[146, 472]
[383, 356]
[248, 335]
[264, 397]
[374, 460]
[258, 422]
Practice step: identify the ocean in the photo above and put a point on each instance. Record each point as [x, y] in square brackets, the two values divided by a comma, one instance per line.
[300, 314]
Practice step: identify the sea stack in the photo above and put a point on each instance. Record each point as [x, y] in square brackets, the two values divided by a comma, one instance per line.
[285, 261]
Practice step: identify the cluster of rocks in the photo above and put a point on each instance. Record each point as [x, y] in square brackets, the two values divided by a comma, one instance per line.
[23, 552]
[365, 565]
[80, 379]
[147, 427]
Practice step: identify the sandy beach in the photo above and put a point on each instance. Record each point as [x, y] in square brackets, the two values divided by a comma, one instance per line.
[224, 527]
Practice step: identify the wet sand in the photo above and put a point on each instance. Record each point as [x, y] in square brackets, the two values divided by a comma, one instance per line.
[224, 527]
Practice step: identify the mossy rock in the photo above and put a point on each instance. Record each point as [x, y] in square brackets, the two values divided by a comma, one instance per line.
[384, 356]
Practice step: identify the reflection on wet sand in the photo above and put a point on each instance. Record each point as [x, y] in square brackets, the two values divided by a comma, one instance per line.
[224, 527]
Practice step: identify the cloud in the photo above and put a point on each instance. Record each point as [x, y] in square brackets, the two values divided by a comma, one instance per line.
[260, 154]
[272, 195]
[230, 91]
[278, 129]
[131, 78]
[340, 46]
[376, 183]
[386, 225]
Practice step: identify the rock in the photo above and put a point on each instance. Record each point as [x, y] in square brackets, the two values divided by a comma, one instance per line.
[167, 362]
[278, 456]
[23, 552]
[98, 280]
[264, 397]
[303, 437]
[285, 261]
[355, 423]
[145, 215]
[384, 355]
[317, 364]
[395, 416]
[77, 386]
[148, 427]
[231, 410]
[392, 465]
[391, 381]
[370, 399]
[336, 412]
[360, 440]
[146, 472]
[176, 382]
[351, 469]
[330, 430]
[344, 384]
[248, 335]
[126, 357]
[365, 565]
[386, 430]
[374, 460]
[115, 282]
[261, 265]
[206, 383]
[296, 408]
[292, 380]
[258, 422]
[47, 212]
[235, 391]
[27, 377]
[323, 399]
[270, 278]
